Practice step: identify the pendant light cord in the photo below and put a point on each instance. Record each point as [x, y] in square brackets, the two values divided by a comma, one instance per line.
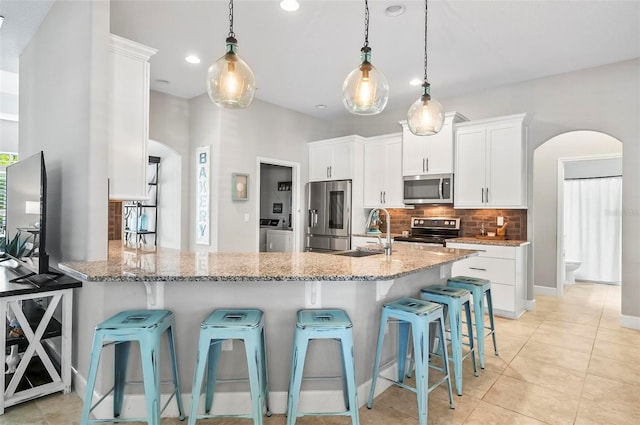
[231, 33]
[366, 23]
[426, 10]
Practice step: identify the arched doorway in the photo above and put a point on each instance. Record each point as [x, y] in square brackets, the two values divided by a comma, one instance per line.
[548, 179]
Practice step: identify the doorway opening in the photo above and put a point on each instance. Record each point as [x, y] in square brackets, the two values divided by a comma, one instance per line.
[549, 266]
[278, 209]
[589, 222]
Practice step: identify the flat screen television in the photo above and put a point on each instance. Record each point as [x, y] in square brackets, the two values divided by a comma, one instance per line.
[26, 216]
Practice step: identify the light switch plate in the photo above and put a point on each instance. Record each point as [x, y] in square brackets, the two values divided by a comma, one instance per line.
[246, 217]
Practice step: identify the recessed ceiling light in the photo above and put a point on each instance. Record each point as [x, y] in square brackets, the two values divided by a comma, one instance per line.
[394, 10]
[161, 81]
[289, 5]
[321, 106]
[192, 59]
[415, 82]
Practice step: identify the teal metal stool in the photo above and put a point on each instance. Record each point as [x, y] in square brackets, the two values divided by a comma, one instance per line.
[418, 314]
[455, 300]
[479, 288]
[146, 327]
[246, 325]
[323, 324]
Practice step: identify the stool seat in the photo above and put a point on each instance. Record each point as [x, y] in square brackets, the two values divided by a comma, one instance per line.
[233, 318]
[243, 324]
[323, 318]
[314, 324]
[146, 327]
[480, 289]
[135, 319]
[414, 317]
[470, 281]
[446, 291]
[414, 306]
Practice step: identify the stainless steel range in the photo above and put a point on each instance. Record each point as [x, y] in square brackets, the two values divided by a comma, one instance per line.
[432, 230]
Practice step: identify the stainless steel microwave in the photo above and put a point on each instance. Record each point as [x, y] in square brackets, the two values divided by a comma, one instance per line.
[428, 189]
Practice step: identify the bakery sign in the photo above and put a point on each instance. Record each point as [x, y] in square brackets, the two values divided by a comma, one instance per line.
[203, 195]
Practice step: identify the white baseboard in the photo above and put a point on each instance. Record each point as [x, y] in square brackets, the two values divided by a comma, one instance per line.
[531, 305]
[632, 322]
[230, 403]
[545, 290]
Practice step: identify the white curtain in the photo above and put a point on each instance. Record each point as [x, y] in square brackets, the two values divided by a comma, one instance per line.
[593, 227]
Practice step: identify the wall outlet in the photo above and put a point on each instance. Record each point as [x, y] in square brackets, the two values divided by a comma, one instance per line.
[500, 221]
[227, 345]
[246, 217]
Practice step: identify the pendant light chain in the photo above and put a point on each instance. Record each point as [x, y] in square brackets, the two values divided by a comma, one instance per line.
[231, 33]
[426, 10]
[366, 23]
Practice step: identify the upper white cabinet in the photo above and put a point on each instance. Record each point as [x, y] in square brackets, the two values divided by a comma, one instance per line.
[490, 163]
[334, 159]
[128, 118]
[383, 171]
[429, 154]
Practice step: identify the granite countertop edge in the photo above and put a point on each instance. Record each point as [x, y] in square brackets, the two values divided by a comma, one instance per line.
[132, 276]
[496, 242]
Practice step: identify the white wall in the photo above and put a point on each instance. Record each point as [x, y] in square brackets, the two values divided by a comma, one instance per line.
[605, 99]
[8, 135]
[169, 125]
[545, 192]
[63, 105]
[262, 130]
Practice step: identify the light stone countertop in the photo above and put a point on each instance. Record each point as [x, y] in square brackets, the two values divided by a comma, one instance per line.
[126, 265]
[497, 242]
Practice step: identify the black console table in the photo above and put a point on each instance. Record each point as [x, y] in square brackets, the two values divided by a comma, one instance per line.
[34, 305]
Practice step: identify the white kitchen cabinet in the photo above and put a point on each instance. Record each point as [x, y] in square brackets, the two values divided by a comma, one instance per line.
[490, 163]
[334, 159]
[383, 171]
[505, 267]
[279, 240]
[128, 118]
[430, 154]
[370, 242]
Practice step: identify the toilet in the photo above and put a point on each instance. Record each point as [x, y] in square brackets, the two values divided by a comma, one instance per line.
[570, 267]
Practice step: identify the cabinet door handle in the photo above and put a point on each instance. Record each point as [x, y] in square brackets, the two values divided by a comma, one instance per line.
[384, 197]
[424, 168]
[482, 195]
[477, 268]
[427, 165]
[487, 195]
[380, 197]
[327, 171]
[330, 171]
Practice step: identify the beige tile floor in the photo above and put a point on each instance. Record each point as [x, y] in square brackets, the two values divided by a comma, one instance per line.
[567, 362]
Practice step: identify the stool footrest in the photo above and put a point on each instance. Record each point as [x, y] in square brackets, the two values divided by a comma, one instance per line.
[345, 413]
[240, 415]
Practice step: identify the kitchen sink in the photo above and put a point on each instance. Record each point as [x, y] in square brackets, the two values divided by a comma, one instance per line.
[359, 253]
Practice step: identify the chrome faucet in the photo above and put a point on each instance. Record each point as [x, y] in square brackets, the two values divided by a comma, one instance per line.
[386, 245]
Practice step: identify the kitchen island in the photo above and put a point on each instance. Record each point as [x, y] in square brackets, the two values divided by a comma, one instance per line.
[193, 284]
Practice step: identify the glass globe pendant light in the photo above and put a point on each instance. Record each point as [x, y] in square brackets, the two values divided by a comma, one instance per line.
[425, 116]
[230, 81]
[365, 90]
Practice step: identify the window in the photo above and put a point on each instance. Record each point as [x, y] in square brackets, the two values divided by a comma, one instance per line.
[6, 159]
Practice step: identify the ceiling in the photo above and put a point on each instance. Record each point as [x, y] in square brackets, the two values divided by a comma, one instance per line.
[301, 58]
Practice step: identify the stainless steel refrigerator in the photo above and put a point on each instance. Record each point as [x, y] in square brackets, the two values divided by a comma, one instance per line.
[328, 216]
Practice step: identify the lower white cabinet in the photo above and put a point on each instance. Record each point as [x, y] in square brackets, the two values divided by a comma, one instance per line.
[279, 240]
[505, 267]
